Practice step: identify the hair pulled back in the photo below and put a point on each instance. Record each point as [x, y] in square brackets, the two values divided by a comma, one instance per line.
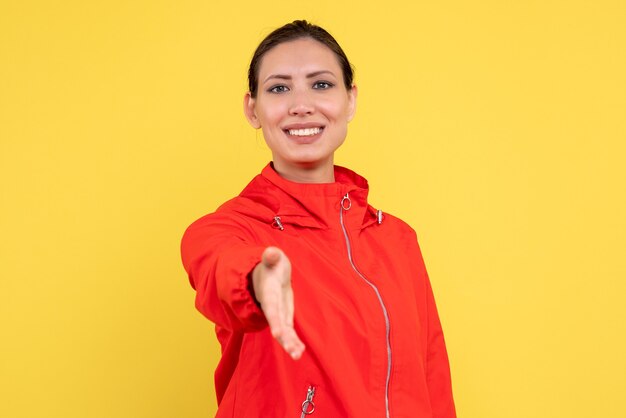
[297, 29]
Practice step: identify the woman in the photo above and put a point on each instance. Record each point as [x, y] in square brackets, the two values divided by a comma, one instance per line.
[322, 303]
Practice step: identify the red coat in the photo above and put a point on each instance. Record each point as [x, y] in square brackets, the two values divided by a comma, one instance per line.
[364, 307]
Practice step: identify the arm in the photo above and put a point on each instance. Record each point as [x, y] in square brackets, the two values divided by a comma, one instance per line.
[225, 268]
[218, 257]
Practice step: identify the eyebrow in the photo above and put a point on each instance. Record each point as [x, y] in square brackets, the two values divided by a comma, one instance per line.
[288, 77]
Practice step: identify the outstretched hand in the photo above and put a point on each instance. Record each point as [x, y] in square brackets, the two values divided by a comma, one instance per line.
[271, 280]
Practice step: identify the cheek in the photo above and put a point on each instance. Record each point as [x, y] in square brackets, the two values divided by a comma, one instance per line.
[335, 110]
[271, 113]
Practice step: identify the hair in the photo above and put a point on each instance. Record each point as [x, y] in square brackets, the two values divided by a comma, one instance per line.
[297, 29]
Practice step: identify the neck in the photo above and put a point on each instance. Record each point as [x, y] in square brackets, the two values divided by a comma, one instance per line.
[314, 173]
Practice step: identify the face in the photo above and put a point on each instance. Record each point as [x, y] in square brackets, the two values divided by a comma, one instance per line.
[302, 106]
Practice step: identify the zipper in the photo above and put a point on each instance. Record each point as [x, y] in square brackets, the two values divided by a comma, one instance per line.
[345, 206]
[308, 407]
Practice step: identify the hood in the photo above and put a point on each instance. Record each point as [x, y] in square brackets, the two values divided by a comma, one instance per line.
[312, 205]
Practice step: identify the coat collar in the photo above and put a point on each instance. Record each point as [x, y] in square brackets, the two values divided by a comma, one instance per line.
[313, 205]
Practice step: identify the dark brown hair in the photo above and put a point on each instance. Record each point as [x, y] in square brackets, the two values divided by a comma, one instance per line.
[290, 32]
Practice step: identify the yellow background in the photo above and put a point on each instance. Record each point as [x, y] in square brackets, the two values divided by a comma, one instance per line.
[495, 128]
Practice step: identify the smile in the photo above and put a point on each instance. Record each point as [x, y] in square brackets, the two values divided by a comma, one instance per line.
[305, 132]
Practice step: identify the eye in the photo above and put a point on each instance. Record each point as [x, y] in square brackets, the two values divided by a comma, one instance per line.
[280, 88]
[322, 85]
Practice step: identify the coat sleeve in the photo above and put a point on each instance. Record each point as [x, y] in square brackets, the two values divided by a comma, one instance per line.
[437, 364]
[218, 256]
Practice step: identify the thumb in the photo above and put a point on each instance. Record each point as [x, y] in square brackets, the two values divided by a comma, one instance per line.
[271, 256]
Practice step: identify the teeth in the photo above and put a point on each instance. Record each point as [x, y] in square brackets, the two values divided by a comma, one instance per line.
[304, 132]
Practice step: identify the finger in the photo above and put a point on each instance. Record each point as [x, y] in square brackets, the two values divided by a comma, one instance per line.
[271, 311]
[288, 307]
[291, 343]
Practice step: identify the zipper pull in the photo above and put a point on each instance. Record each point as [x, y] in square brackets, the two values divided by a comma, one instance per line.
[344, 205]
[308, 407]
[379, 216]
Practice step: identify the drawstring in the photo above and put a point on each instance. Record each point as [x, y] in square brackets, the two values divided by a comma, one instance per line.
[277, 223]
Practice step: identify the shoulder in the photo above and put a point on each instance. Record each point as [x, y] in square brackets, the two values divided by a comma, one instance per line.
[397, 224]
[398, 234]
[233, 214]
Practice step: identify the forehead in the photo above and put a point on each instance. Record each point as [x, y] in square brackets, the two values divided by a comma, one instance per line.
[300, 55]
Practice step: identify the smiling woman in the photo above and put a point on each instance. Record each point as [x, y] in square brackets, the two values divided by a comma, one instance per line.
[322, 303]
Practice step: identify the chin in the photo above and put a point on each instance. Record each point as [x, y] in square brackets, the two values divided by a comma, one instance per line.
[309, 161]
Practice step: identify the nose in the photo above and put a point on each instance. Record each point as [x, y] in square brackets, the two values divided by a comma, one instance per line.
[301, 104]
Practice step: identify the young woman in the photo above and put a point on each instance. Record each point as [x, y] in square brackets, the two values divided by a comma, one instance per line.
[322, 303]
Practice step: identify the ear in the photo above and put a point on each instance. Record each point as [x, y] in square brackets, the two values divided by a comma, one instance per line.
[352, 93]
[249, 110]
